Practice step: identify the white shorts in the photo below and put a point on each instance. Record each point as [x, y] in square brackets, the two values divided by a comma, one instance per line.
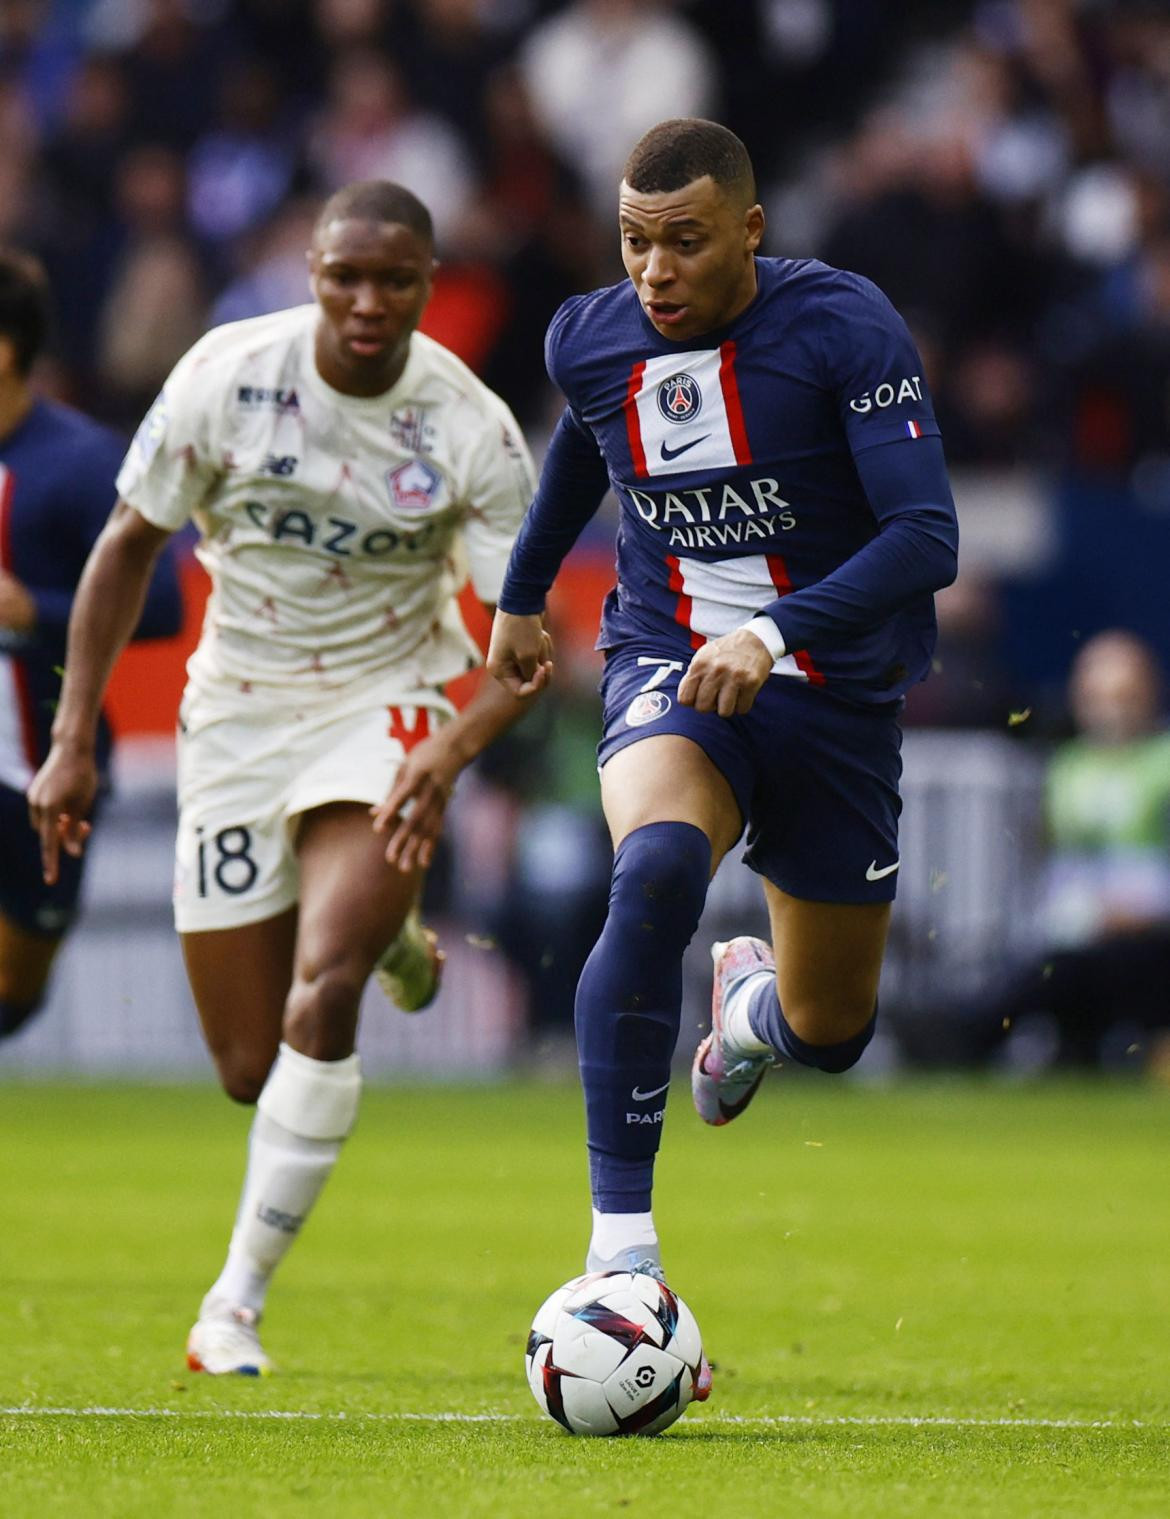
[247, 775]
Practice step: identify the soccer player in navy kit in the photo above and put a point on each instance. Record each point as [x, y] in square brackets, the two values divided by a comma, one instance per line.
[57, 473]
[785, 518]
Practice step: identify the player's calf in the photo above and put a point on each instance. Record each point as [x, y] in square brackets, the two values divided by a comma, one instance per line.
[304, 1115]
[628, 1007]
[766, 1020]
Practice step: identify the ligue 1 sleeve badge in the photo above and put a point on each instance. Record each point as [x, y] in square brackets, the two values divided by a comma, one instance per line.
[414, 485]
[646, 707]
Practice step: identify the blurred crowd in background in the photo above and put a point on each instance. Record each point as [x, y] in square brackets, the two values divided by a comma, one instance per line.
[1000, 168]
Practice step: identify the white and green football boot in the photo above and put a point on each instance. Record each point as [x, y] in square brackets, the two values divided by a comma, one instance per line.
[411, 970]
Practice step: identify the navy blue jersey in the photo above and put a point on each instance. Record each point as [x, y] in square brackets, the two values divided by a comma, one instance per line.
[788, 463]
[57, 472]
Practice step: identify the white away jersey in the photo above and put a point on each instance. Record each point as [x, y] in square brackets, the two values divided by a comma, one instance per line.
[336, 529]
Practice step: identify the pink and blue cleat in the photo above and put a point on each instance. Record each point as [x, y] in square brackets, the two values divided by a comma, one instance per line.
[725, 1078]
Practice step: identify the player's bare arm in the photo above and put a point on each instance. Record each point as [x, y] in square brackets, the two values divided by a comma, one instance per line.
[106, 611]
[18, 610]
[520, 653]
[727, 674]
[430, 770]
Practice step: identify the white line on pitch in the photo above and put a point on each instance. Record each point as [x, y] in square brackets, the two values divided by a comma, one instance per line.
[806, 1421]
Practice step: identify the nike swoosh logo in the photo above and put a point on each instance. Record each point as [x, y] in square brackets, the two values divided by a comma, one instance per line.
[673, 453]
[639, 1096]
[874, 874]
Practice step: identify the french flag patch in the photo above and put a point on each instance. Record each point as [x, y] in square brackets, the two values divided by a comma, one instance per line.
[914, 429]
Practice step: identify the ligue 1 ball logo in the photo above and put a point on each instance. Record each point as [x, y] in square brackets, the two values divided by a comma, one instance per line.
[679, 398]
[645, 707]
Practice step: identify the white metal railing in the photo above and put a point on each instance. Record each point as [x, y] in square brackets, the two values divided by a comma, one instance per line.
[120, 1003]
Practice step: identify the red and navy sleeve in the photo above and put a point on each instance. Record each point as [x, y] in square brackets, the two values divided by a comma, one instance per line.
[573, 480]
[875, 375]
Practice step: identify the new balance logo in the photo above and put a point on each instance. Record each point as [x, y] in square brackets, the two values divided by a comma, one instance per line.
[874, 874]
[639, 1096]
[669, 453]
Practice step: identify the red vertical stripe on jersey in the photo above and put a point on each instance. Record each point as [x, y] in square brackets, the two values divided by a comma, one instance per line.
[633, 426]
[779, 573]
[28, 732]
[730, 387]
[682, 611]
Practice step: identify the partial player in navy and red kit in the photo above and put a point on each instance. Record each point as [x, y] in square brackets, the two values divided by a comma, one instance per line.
[785, 518]
[57, 473]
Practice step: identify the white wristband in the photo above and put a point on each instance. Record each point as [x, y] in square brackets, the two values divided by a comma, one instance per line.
[768, 634]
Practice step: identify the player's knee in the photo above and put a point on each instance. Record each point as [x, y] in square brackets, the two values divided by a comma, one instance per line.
[660, 878]
[15, 1014]
[242, 1079]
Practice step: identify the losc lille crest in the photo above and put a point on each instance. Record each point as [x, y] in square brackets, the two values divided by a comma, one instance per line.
[413, 486]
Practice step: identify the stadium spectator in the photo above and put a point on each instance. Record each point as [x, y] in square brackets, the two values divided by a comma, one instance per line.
[600, 72]
[371, 129]
[154, 305]
[57, 473]
[241, 169]
[1107, 893]
[339, 465]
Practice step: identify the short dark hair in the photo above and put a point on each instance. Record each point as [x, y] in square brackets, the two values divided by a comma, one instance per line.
[24, 305]
[675, 153]
[377, 200]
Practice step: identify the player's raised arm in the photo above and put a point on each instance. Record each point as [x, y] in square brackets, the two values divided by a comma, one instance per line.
[572, 483]
[412, 813]
[501, 484]
[106, 610]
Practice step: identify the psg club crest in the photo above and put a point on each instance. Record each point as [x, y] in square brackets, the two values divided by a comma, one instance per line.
[413, 486]
[679, 398]
[646, 707]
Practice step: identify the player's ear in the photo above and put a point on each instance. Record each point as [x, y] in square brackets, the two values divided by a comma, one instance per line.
[753, 226]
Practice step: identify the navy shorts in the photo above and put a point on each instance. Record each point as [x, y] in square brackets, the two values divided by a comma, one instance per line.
[816, 777]
[24, 898]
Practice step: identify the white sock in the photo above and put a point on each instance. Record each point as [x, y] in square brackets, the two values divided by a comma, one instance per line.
[613, 1232]
[737, 1031]
[305, 1111]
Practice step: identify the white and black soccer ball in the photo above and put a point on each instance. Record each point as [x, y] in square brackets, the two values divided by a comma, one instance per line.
[614, 1353]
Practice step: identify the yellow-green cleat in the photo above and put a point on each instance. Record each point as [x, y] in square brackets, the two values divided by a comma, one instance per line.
[411, 970]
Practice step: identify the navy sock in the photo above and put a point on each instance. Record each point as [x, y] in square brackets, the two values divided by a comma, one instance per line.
[14, 1015]
[629, 1001]
[767, 1021]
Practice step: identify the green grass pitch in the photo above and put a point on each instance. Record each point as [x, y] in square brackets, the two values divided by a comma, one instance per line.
[934, 1299]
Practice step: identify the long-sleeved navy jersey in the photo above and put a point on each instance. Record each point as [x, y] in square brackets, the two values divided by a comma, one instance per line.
[57, 472]
[788, 464]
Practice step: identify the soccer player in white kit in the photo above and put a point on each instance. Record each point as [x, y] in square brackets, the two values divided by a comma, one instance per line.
[345, 473]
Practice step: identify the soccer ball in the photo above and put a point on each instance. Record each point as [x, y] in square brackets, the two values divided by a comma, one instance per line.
[613, 1353]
